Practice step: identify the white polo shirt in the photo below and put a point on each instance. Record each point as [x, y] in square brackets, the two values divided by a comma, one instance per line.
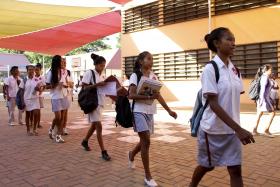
[11, 82]
[57, 92]
[228, 90]
[87, 79]
[142, 107]
[29, 88]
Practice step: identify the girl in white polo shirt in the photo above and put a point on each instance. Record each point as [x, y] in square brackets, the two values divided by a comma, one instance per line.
[220, 134]
[143, 113]
[95, 117]
[56, 81]
[40, 79]
[31, 100]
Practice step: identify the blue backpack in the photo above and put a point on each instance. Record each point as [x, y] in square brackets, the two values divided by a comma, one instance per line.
[199, 109]
[20, 96]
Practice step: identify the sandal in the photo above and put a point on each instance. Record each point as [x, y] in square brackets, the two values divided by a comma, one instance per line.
[255, 132]
[268, 134]
[29, 133]
[35, 133]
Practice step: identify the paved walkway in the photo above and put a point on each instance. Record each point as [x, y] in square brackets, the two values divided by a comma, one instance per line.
[37, 161]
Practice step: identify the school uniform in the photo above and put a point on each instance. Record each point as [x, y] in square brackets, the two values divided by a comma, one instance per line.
[143, 113]
[57, 93]
[31, 98]
[12, 85]
[67, 92]
[96, 115]
[222, 142]
[42, 82]
[265, 103]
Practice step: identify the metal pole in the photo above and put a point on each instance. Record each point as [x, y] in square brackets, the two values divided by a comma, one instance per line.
[209, 24]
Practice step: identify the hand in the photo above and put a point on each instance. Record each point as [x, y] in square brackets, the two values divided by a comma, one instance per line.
[103, 83]
[245, 136]
[155, 95]
[173, 114]
[37, 88]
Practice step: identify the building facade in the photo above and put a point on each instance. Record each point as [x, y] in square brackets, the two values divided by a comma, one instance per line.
[173, 31]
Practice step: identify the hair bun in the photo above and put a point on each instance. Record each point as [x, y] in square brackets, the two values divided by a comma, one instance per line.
[94, 56]
[206, 37]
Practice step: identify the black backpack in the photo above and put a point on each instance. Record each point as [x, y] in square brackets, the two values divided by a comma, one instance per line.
[20, 96]
[254, 89]
[124, 116]
[87, 98]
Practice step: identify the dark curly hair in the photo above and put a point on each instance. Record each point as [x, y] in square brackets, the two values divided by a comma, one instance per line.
[215, 35]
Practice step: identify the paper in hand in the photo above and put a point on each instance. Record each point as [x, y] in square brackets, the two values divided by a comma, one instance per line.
[109, 89]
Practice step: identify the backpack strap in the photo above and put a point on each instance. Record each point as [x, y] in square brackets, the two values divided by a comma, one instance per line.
[238, 71]
[93, 76]
[216, 68]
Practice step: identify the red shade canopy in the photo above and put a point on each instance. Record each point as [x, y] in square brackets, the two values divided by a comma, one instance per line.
[62, 39]
[121, 1]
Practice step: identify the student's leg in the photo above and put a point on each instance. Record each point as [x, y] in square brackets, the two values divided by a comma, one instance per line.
[90, 132]
[39, 119]
[20, 113]
[135, 151]
[36, 120]
[98, 127]
[145, 147]
[198, 174]
[65, 118]
[11, 109]
[27, 120]
[235, 176]
[272, 114]
[259, 115]
[57, 121]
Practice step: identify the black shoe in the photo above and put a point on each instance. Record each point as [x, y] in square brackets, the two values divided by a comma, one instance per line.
[105, 156]
[85, 145]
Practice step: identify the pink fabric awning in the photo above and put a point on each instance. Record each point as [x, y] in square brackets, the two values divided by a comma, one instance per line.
[62, 39]
[121, 1]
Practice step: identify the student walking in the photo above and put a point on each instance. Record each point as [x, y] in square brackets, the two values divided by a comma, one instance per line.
[95, 117]
[31, 100]
[220, 135]
[40, 79]
[275, 92]
[265, 103]
[67, 92]
[11, 86]
[56, 81]
[143, 113]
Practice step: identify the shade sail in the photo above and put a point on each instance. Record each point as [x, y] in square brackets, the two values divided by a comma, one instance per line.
[62, 39]
[121, 1]
[18, 17]
[115, 62]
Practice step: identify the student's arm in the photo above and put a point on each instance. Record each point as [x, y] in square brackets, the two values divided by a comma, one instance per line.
[244, 136]
[166, 107]
[263, 82]
[87, 86]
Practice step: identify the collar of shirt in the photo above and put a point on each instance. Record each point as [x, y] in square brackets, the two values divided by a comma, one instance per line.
[221, 64]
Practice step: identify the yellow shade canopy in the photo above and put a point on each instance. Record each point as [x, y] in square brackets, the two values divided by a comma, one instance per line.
[18, 17]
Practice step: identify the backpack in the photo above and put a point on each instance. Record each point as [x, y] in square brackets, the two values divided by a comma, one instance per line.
[124, 116]
[254, 89]
[87, 98]
[199, 109]
[20, 96]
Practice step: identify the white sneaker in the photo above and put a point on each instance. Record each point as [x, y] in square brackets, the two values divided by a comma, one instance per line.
[12, 124]
[131, 164]
[59, 139]
[150, 183]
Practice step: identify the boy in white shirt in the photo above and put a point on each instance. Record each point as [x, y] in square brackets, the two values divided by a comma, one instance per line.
[11, 84]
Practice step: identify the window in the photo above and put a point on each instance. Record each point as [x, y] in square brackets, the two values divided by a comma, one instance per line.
[249, 58]
[141, 17]
[166, 12]
[188, 65]
[175, 11]
[225, 6]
